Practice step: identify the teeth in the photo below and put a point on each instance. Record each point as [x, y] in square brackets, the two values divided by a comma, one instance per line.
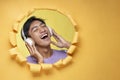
[43, 36]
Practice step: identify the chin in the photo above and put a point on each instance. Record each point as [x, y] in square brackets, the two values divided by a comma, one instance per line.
[45, 44]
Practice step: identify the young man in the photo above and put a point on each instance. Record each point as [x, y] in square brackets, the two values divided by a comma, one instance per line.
[40, 51]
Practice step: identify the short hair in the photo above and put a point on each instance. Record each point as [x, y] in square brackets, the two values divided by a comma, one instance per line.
[27, 24]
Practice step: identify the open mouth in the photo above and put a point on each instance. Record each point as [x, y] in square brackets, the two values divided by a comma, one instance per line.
[44, 36]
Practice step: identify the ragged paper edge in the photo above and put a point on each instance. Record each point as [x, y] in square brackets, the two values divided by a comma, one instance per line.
[36, 68]
[63, 62]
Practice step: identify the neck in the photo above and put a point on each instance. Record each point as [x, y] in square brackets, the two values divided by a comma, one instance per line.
[45, 51]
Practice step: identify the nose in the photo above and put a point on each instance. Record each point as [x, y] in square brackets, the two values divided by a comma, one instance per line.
[41, 29]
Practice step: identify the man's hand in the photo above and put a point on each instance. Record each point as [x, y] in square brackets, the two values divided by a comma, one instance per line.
[34, 52]
[60, 41]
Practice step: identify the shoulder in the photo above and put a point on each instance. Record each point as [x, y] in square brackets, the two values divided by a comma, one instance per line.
[56, 56]
[31, 59]
[59, 53]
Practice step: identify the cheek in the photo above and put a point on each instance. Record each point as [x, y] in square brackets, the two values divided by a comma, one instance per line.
[46, 28]
[35, 36]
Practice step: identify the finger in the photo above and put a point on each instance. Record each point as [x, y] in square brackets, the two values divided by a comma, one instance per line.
[30, 48]
[34, 48]
[57, 37]
[58, 44]
[36, 51]
[53, 31]
[54, 43]
[33, 51]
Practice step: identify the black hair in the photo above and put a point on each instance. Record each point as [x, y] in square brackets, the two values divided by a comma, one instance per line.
[27, 24]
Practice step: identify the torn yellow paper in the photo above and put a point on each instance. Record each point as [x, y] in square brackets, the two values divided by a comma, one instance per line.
[75, 39]
[20, 58]
[20, 18]
[14, 52]
[30, 12]
[71, 49]
[12, 38]
[15, 37]
[15, 26]
[73, 22]
[35, 68]
[67, 60]
[46, 66]
[58, 63]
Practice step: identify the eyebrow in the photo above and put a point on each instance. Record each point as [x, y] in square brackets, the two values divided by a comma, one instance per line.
[37, 26]
[33, 27]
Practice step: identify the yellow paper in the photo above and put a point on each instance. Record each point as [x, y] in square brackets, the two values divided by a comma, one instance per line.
[35, 68]
[12, 38]
[58, 63]
[67, 60]
[14, 52]
[75, 39]
[20, 18]
[15, 26]
[46, 66]
[71, 49]
[73, 22]
[21, 58]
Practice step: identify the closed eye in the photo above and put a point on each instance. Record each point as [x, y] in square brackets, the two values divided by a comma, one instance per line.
[35, 28]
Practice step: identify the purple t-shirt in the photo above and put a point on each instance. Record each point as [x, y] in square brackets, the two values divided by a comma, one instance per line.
[56, 56]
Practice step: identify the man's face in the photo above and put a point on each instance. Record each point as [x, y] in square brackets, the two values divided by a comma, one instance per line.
[39, 32]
